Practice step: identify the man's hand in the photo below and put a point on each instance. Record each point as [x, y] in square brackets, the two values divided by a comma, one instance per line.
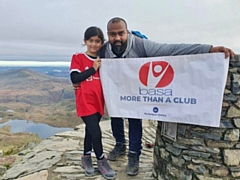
[228, 52]
[76, 86]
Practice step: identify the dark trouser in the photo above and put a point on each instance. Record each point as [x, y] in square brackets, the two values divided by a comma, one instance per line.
[93, 134]
[134, 133]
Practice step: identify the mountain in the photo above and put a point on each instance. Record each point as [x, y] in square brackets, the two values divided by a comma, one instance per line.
[30, 95]
[24, 85]
[62, 72]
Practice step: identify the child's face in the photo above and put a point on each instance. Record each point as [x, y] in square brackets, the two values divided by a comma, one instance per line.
[93, 44]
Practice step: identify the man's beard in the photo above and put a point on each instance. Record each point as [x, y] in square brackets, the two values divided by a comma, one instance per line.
[118, 49]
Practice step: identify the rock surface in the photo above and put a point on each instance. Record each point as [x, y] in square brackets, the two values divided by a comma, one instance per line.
[59, 157]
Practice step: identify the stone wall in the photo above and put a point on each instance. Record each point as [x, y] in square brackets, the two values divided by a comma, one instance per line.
[204, 153]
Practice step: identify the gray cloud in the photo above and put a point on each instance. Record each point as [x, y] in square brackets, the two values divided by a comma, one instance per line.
[53, 30]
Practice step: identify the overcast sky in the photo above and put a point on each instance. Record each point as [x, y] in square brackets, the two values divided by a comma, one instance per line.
[52, 30]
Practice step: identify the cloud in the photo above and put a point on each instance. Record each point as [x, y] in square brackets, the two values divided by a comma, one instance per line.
[42, 29]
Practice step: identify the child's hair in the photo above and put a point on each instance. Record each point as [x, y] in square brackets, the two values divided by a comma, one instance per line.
[93, 31]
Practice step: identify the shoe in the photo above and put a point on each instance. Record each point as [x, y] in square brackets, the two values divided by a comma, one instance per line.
[105, 169]
[87, 165]
[133, 164]
[118, 150]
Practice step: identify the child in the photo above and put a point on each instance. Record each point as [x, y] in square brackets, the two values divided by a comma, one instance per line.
[90, 101]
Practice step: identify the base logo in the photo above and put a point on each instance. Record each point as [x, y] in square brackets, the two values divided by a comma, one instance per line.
[156, 74]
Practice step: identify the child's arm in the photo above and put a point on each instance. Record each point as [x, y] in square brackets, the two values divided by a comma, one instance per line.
[77, 77]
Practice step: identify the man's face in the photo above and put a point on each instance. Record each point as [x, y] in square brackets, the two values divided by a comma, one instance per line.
[117, 36]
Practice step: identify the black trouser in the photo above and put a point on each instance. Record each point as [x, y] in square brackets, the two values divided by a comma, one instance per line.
[93, 134]
[134, 133]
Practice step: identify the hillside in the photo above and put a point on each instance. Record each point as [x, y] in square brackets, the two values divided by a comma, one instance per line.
[34, 88]
[37, 97]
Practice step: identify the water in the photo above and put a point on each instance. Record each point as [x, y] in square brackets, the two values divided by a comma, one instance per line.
[42, 130]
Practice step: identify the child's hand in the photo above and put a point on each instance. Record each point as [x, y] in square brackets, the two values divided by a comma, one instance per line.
[97, 64]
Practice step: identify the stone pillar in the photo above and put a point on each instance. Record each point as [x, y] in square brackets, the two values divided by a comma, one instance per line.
[204, 153]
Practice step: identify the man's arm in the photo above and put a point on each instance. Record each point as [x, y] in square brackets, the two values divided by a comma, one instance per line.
[154, 49]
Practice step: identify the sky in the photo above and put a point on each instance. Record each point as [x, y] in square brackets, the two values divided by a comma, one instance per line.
[52, 30]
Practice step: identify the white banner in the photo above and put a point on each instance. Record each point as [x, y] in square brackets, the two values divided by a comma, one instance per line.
[184, 89]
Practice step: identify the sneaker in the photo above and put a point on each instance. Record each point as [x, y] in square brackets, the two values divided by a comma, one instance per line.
[118, 150]
[133, 164]
[105, 169]
[87, 165]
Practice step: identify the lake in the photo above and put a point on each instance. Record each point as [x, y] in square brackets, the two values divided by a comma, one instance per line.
[43, 130]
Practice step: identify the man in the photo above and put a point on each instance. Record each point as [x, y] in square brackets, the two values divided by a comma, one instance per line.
[122, 44]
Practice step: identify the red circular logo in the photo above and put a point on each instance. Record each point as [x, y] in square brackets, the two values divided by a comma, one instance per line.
[156, 74]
